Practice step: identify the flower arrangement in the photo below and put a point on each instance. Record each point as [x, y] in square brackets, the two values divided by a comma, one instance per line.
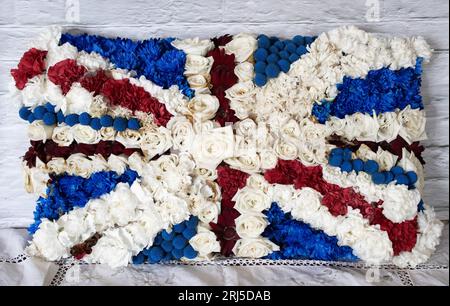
[240, 145]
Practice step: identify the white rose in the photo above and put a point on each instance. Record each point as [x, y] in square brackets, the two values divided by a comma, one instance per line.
[250, 225]
[118, 163]
[99, 163]
[199, 83]
[79, 164]
[107, 133]
[203, 107]
[205, 242]
[336, 126]
[85, 134]
[196, 64]
[245, 127]
[194, 46]
[36, 178]
[290, 130]
[389, 126]
[283, 195]
[254, 248]
[241, 109]
[39, 131]
[386, 159]
[258, 181]
[211, 147]
[310, 155]
[129, 138]
[306, 204]
[249, 200]
[362, 127]
[111, 250]
[207, 174]
[249, 163]
[57, 165]
[209, 213]
[244, 71]
[243, 92]
[78, 99]
[62, 135]
[242, 46]
[285, 149]
[269, 159]
[413, 123]
[155, 141]
[366, 153]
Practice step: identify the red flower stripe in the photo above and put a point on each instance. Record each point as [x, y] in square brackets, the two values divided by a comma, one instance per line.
[230, 181]
[31, 64]
[337, 200]
[222, 78]
[45, 151]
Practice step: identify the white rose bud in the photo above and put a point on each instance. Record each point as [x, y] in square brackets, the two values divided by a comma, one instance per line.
[39, 131]
[254, 248]
[85, 134]
[79, 164]
[242, 46]
[250, 225]
[62, 135]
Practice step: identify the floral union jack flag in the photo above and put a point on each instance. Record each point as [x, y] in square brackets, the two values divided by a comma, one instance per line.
[241, 145]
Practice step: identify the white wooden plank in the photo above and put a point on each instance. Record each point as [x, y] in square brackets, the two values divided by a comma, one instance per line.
[436, 193]
[436, 159]
[236, 11]
[15, 38]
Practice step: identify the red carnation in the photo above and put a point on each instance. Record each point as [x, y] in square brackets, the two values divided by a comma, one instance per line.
[65, 73]
[94, 82]
[31, 64]
[230, 181]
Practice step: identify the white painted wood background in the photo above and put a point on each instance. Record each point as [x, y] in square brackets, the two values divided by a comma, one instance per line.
[21, 20]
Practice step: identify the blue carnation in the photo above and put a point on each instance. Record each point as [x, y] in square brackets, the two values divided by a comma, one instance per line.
[298, 240]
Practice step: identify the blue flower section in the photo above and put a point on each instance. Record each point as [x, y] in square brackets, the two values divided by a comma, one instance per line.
[342, 158]
[171, 245]
[297, 240]
[156, 59]
[383, 90]
[68, 191]
[275, 55]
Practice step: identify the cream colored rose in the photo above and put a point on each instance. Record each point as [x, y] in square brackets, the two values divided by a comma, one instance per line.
[118, 163]
[254, 248]
[244, 71]
[211, 147]
[249, 163]
[242, 46]
[250, 225]
[241, 109]
[39, 131]
[285, 149]
[85, 134]
[36, 178]
[412, 124]
[199, 83]
[290, 130]
[386, 159]
[307, 154]
[107, 133]
[268, 159]
[194, 46]
[57, 165]
[129, 138]
[366, 126]
[243, 92]
[63, 135]
[205, 242]
[245, 127]
[258, 181]
[155, 141]
[336, 126]
[365, 153]
[79, 164]
[98, 107]
[196, 64]
[251, 200]
[209, 213]
[203, 107]
[78, 99]
[389, 126]
[206, 174]
[99, 163]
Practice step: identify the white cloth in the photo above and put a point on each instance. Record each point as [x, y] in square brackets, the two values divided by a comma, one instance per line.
[19, 269]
